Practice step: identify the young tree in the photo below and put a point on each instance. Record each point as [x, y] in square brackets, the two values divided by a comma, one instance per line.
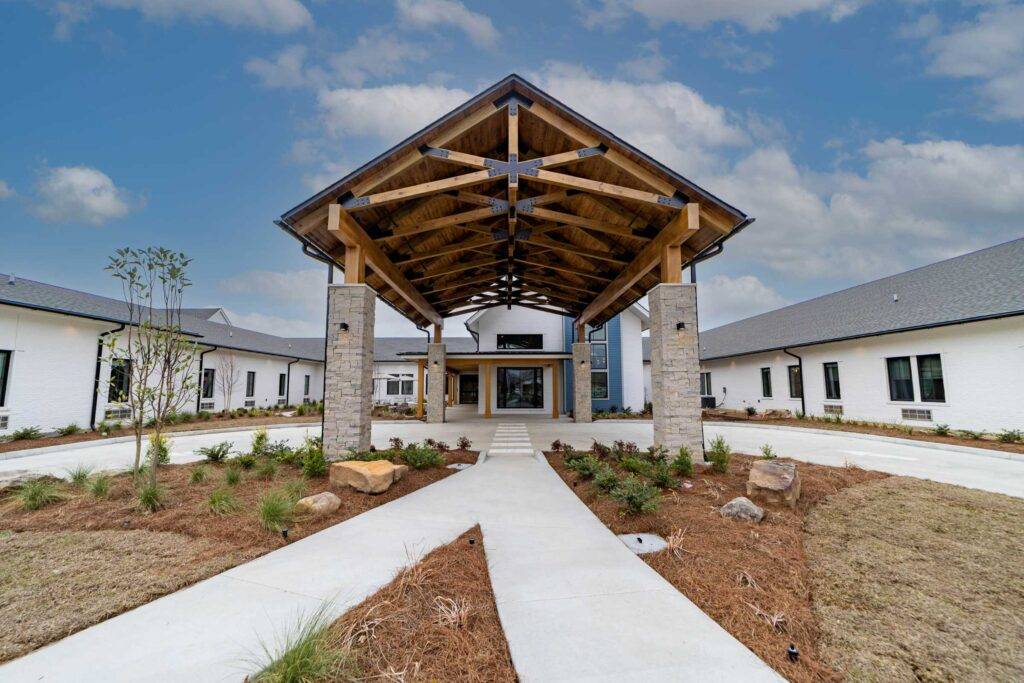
[227, 378]
[161, 357]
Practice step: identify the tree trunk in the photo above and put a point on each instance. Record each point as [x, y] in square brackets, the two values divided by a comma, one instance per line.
[155, 462]
[138, 451]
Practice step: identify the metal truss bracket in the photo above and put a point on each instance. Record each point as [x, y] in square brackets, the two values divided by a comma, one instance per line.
[354, 202]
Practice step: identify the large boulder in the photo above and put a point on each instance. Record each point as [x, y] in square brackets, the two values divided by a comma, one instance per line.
[375, 476]
[742, 508]
[774, 482]
[321, 504]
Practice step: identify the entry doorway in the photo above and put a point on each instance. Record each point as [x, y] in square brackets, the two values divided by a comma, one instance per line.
[521, 387]
[469, 389]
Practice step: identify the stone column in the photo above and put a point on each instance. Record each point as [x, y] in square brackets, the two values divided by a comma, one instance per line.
[675, 369]
[435, 382]
[348, 394]
[582, 406]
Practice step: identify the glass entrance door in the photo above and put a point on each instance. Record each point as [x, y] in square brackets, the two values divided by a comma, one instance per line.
[521, 387]
[469, 389]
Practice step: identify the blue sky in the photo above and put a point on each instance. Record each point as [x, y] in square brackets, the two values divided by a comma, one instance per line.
[866, 137]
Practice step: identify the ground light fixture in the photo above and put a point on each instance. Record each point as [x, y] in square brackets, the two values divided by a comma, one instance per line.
[793, 653]
[284, 535]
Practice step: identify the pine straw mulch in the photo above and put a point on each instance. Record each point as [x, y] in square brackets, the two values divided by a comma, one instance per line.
[436, 621]
[193, 542]
[752, 579]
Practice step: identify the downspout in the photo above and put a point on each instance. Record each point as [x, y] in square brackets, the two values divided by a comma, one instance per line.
[199, 393]
[288, 381]
[96, 380]
[327, 334]
[800, 361]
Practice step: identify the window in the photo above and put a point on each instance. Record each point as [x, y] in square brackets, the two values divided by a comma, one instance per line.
[282, 384]
[520, 342]
[929, 374]
[600, 334]
[394, 386]
[796, 382]
[117, 413]
[766, 382]
[250, 384]
[599, 356]
[399, 385]
[916, 414]
[901, 384]
[599, 385]
[5, 372]
[305, 385]
[120, 380]
[705, 384]
[521, 387]
[833, 409]
[832, 381]
[208, 376]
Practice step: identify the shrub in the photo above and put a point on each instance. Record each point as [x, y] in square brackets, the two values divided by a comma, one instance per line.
[660, 473]
[26, 433]
[151, 497]
[232, 475]
[266, 469]
[159, 448]
[314, 464]
[204, 415]
[600, 450]
[246, 461]
[260, 441]
[606, 479]
[441, 446]
[69, 430]
[275, 511]
[968, 434]
[767, 452]
[463, 443]
[648, 408]
[637, 496]
[1010, 436]
[622, 449]
[634, 464]
[99, 487]
[587, 466]
[79, 475]
[656, 453]
[941, 430]
[105, 427]
[556, 445]
[222, 502]
[396, 443]
[751, 411]
[799, 415]
[367, 456]
[421, 457]
[719, 455]
[217, 452]
[281, 451]
[683, 463]
[197, 475]
[309, 652]
[38, 493]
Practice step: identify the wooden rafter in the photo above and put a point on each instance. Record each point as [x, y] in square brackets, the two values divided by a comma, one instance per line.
[439, 223]
[606, 189]
[432, 187]
[580, 221]
[467, 245]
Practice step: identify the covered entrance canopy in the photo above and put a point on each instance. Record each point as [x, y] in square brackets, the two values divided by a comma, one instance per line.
[512, 198]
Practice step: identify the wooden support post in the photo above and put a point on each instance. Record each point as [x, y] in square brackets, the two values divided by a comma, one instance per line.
[437, 333]
[419, 388]
[355, 265]
[513, 155]
[671, 264]
[581, 333]
[555, 367]
[487, 388]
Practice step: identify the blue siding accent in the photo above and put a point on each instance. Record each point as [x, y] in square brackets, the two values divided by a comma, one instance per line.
[614, 329]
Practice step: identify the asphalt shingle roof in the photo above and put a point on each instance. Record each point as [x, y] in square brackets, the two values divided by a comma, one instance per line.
[983, 284]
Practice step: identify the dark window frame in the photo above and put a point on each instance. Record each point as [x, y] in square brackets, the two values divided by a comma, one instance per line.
[833, 388]
[119, 383]
[250, 383]
[393, 386]
[937, 387]
[538, 378]
[896, 391]
[5, 374]
[705, 384]
[766, 383]
[796, 388]
[282, 384]
[607, 391]
[305, 385]
[209, 378]
[527, 342]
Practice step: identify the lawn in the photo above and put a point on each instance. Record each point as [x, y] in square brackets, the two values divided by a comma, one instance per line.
[796, 576]
[83, 558]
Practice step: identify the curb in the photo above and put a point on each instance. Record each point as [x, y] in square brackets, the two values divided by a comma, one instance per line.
[983, 452]
[26, 452]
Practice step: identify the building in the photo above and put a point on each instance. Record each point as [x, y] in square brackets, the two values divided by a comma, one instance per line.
[55, 371]
[942, 344]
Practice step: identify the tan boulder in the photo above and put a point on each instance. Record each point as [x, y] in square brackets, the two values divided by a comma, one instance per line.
[374, 476]
[774, 482]
[321, 504]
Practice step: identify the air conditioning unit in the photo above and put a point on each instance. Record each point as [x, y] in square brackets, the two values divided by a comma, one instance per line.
[916, 414]
[832, 409]
[281, 401]
[206, 405]
[707, 401]
[250, 403]
[117, 413]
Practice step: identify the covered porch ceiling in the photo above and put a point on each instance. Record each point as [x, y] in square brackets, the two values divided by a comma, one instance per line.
[512, 199]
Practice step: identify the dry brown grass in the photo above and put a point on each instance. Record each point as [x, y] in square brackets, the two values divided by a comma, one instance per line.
[183, 534]
[54, 583]
[914, 580]
[436, 621]
[751, 579]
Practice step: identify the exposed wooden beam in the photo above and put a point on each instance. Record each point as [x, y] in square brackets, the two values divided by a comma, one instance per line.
[432, 187]
[677, 231]
[671, 264]
[350, 233]
[606, 189]
[513, 154]
[565, 269]
[569, 248]
[581, 221]
[466, 245]
[355, 264]
[481, 199]
[439, 223]
[530, 277]
[457, 268]
[464, 283]
[458, 158]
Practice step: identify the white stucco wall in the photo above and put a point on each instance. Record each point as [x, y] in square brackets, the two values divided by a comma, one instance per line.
[632, 361]
[382, 370]
[519, 320]
[982, 365]
[267, 369]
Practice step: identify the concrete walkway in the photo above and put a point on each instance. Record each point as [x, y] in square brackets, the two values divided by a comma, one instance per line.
[575, 603]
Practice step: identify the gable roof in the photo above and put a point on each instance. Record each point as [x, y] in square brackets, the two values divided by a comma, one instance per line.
[391, 349]
[980, 285]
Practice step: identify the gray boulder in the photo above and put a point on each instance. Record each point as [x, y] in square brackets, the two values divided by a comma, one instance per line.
[742, 508]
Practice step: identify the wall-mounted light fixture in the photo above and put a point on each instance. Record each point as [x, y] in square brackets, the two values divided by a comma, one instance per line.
[435, 363]
[583, 362]
[680, 326]
[343, 327]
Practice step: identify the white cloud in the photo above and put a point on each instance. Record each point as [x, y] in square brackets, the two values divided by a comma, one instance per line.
[736, 54]
[431, 13]
[377, 53]
[68, 14]
[276, 325]
[277, 16]
[287, 69]
[388, 112]
[649, 65]
[79, 194]
[302, 291]
[989, 48]
[5, 190]
[723, 299]
[754, 15]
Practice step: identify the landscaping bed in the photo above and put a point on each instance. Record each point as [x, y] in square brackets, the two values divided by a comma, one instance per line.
[436, 621]
[1013, 443]
[112, 540]
[853, 575]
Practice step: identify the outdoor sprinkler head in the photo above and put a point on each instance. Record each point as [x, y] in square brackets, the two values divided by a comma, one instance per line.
[793, 653]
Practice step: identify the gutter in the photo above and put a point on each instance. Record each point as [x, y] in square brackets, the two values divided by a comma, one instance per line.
[288, 380]
[199, 393]
[96, 379]
[800, 361]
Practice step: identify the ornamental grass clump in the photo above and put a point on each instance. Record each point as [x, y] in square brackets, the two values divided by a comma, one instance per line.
[79, 475]
[767, 452]
[222, 502]
[719, 455]
[311, 651]
[232, 474]
[1010, 436]
[38, 493]
[275, 511]
[683, 463]
[69, 430]
[246, 461]
[637, 496]
[421, 457]
[217, 452]
[26, 433]
[197, 475]
[151, 497]
[266, 469]
[99, 486]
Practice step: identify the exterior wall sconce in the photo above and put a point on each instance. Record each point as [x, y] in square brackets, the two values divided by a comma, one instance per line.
[435, 363]
[343, 327]
[680, 326]
[582, 363]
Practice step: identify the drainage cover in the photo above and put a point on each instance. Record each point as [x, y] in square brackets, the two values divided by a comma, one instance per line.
[459, 466]
[643, 543]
